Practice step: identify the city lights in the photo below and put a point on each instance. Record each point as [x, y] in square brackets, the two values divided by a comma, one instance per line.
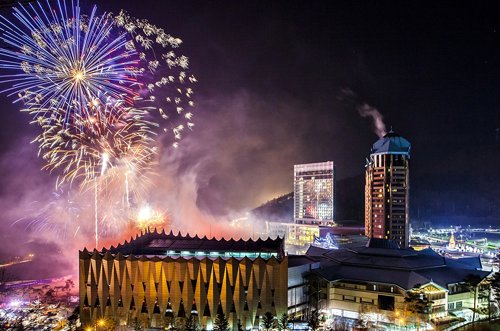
[295, 203]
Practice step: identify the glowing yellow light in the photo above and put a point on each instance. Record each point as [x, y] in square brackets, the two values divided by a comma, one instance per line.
[95, 102]
[101, 322]
[88, 329]
[145, 213]
[148, 218]
[78, 75]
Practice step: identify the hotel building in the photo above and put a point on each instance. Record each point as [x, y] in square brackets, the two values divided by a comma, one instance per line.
[314, 193]
[387, 190]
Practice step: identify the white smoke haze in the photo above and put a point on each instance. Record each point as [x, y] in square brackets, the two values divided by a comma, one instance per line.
[225, 167]
[365, 110]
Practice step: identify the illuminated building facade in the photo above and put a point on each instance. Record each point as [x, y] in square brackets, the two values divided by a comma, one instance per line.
[314, 193]
[157, 275]
[298, 237]
[387, 190]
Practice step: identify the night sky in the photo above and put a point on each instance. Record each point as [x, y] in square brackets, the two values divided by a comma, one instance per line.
[273, 77]
[272, 73]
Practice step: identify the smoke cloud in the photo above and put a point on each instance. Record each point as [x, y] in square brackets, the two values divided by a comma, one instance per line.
[240, 154]
[365, 110]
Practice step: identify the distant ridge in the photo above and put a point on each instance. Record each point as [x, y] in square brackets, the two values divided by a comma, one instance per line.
[350, 203]
[458, 200]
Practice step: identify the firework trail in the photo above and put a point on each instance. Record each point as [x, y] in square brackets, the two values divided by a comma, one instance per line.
[91, 148]
[45, 217]
[102, 154]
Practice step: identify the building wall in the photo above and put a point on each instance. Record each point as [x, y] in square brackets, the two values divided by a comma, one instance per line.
[349, 299]
[358, 300]
[464, 299]
[299, 290]
[126, 288]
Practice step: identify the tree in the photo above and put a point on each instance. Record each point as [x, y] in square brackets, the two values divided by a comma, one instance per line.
[472, 281]
[169, 319]
[191, 323]
[172, 322]
[221, 323]
[137, 324]
[108, 324]
[484, 294]
[495, 287]
[283, 322]
[417, 304]
[314, 320]
[268, 321]
[240, 327]
[365, 314]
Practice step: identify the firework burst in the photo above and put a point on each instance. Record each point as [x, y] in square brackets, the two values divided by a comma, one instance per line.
[61, 58]
[167, 85]
[92, 148]
[58, 216]
[100, 87]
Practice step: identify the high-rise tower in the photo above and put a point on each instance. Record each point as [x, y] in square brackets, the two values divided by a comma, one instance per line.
[314, 193]
[387, 189]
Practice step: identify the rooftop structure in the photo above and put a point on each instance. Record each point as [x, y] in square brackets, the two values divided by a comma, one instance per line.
[383, 261]
[161, 244]
[391, 143]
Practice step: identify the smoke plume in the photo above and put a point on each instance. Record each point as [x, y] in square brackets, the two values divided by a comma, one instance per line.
[365, 110]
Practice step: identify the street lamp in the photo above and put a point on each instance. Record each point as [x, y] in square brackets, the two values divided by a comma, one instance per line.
[101, 322]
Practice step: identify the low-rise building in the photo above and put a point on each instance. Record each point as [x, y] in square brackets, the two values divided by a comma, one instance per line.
[156, 276]
[380, 283]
